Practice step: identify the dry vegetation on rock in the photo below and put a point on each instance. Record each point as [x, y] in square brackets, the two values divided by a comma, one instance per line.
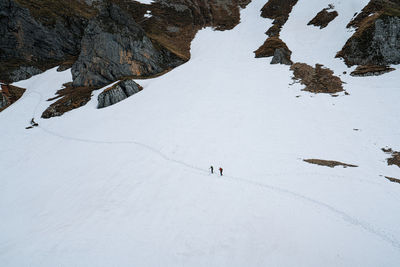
[9, 94]
[318, 79]
[329, 163]
[324, 17]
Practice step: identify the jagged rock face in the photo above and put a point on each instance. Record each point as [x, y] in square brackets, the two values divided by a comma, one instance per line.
[114, 46]
[279, 11]
[29, 46]
[102, 40]
[174, 23]
[377, 38]
[117, 93]
[41, 34]
[9, 94]
[376, 44]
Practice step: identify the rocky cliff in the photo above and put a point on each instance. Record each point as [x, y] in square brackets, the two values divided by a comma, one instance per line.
[103, 40]
[377, 37]
[114, 46]
[279, 11]
[38, 35]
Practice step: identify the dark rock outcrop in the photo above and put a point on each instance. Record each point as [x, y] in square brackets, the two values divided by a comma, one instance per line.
[117, 93]
[371, 70]
[324, 17]
[103, 40]
[279, 11]
[9, 94]
[377, 38]
[38, 35]
[318, 79]
[174, 23]
[114, 46]
[276, 48]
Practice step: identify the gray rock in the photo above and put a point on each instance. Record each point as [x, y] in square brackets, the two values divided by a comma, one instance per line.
[378, 44]
[117, 93]
[23, 73]
[282, 56]
[3, 101]
[387, 39]
[114, 46]
[28, 47]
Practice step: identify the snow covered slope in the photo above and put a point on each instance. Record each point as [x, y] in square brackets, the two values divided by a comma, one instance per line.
[128, 185]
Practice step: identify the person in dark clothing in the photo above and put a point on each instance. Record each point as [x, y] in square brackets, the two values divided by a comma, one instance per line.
[33, 123]
[212, 169]
[220, 171]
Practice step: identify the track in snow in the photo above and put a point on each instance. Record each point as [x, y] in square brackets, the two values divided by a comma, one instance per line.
[343, 215]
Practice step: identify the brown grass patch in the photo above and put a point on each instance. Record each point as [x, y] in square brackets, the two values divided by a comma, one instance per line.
[269, 47]
[323, 18]
[395, 159]
[69, 98]
[370, 70]
[318, 79]
[11, 94]
[329, 163]
[394, 180]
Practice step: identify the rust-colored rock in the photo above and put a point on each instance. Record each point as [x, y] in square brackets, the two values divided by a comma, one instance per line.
[318, 79]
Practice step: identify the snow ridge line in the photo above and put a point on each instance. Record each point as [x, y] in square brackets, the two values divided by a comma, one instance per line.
[346, 217]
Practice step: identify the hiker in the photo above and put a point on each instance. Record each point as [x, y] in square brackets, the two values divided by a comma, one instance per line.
[212, 169]
[33, 123]
[220, 171]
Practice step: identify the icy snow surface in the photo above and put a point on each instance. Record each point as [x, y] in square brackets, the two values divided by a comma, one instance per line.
[129, 185]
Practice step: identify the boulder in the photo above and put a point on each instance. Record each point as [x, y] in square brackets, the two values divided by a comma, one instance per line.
[117, 93]
[282, 56]
[377, 37]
